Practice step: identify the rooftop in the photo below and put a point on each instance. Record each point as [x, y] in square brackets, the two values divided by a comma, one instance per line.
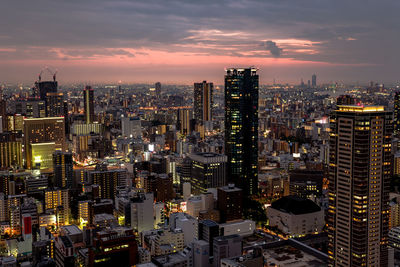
[356, 108]
[290, 256]
[295, 205]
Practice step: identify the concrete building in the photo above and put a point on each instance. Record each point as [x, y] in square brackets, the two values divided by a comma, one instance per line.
[186, 223]
[230, 203]
[226, 247]
[131, 127]
[201, 253]
[296, 216]
[242, 228]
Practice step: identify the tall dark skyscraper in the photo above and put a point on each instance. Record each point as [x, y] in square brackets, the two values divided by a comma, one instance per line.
[158, 90]
[46, 87]
[396, 114]
[314, 81]
[203, 101]
[359, 184]
[241, 128]
[88, 97]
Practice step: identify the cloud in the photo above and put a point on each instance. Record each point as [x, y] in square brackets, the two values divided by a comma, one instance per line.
[273, 48]
[336, 32]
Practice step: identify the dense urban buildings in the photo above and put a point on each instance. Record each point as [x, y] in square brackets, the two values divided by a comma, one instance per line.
[241, 128]
[245, 171]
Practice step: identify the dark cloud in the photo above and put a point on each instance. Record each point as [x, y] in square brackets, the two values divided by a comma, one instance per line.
[337, 32]
[273, 48]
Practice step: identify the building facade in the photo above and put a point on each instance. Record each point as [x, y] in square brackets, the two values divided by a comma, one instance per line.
[359, 184]
[241, 128]
[203, 101]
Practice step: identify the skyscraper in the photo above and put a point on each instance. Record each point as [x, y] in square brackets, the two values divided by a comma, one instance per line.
[359, 181]
[54, 104]
[44, 87]
[158, 90]
[314, 80]
[88, 97]
[185, 117]
[241, 128]
[396, 114]
[203, 101]
[63, 169]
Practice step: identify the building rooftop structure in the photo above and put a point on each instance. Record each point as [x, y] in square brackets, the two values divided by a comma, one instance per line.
[356, 108]
[295, 205]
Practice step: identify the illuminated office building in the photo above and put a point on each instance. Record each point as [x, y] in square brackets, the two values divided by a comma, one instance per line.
[241, 128]
[208, 170]
[42, 155]
[203, 101]
[54, 104]
[359, 184]
[42, 130]
[88, 99]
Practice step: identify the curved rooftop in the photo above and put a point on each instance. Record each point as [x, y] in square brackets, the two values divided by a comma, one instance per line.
[295, 205]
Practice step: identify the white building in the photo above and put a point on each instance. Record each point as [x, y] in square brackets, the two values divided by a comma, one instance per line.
[142, 213]
[186, 223]
[131, 127]
[296, 216]
[242, 228]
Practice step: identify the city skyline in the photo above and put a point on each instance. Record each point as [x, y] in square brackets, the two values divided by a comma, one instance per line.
[183, 42]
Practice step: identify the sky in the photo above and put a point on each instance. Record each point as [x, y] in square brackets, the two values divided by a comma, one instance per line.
[186, 41]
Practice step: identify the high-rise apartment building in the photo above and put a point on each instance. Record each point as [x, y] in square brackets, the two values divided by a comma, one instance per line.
[88, 99]
[185, 117]
[63, 169]
[241, 128]
[108, 180]
[359, 184]
[203, 101]
[57, 200]
[43, 132]
[208, 170]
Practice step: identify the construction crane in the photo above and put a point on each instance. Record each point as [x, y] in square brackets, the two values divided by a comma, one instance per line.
[47, 69]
